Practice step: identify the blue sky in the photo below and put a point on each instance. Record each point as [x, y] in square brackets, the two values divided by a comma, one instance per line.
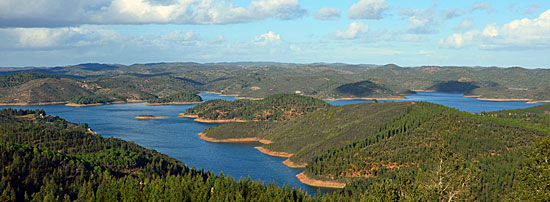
[407, 33]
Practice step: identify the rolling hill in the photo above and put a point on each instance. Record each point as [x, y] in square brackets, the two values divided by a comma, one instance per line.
[364, 144]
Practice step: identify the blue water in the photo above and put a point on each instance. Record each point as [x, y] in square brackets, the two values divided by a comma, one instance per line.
[456, 100]
[177, 137]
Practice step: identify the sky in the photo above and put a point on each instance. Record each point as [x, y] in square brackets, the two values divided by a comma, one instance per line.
[407, 33]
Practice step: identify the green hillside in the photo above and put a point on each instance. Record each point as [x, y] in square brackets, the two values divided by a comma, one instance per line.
[364, 89]
[320, 80]
[34, 88]
[177, 97]
[364, 144]
[276, 107]
[46, 158]
[38, 88]
[426, 153]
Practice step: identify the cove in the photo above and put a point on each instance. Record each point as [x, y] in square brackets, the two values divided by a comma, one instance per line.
[177, 137]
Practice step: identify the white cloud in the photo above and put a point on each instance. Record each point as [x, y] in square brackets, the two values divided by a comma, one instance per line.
[458, 40]
[518, 34]
[354, 31]
[268, 38]
[328, 14]
[51, 38]
[93, 43]
[421, 21]
[60, 13]
[368, 9]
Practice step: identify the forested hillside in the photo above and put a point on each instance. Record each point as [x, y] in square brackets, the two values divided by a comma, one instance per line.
[35, 88]
[364, 89]
[366, 144]
[45, 158]
[461, 156]
[276, 107]
[182, 97]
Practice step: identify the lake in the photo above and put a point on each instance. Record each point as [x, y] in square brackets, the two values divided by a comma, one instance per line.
[177, 137]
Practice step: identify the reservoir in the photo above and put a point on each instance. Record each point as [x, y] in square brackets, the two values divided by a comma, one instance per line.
[177, 137]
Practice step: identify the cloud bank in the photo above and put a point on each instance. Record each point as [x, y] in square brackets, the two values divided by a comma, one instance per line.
[518, 34]
[63, 13]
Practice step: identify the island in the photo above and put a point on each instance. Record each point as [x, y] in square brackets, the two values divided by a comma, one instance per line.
[84, 101]
[277, 107]
[150, 117]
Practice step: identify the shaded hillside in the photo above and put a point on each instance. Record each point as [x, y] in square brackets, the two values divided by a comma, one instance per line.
[276, 107]
[364, 89]
[466, 87]
[454, 87]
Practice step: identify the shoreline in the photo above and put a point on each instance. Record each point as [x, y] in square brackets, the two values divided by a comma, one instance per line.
[475, 96]
[174, 103]
[529, 101]
[429, 91]
[478, 97]
[292, 164]
[68, 103]
[319, 183]
[83, 105]
[150, 117]
[100, 104]
[364, 98]
[233, 140]
[505, 99]
[218, 121]
[237, 96]
[538, 101]
[32, 104]
[273, 153]
[187, 115]
[223, 95]
[302, 177]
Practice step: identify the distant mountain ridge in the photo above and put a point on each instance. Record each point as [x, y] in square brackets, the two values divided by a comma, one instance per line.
[320, 80]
